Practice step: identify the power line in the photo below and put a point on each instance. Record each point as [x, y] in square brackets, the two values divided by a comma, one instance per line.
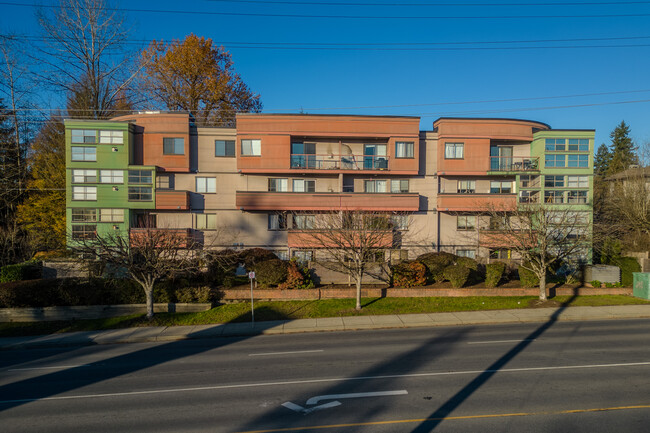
[319, 3]
[369, 17]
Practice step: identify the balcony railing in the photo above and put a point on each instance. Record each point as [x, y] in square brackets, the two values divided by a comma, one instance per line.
[173, 200]
[513, 163]
[339, 162]
[167, 237]
[322, 201]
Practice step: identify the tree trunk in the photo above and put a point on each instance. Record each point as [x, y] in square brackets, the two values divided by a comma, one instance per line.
[358, 283]
[542, 287]
[148, 290]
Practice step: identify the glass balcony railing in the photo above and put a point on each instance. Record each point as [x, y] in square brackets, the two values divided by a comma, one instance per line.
[513, 163]
[339, 162]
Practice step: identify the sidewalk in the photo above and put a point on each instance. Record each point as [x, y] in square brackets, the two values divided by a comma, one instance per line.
[175, 333]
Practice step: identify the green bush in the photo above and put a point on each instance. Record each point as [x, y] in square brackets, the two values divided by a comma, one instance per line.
[596, 283]
[436, 264]
[526, 277]
[221, 266]
[271, 272]
[628, 265]
[253, 256]
[297, 277]
[202, 294]
[457, 275]
[20, 272]
[494, 273]
[409, 274]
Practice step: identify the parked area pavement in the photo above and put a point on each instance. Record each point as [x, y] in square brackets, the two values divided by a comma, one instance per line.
[176, 333]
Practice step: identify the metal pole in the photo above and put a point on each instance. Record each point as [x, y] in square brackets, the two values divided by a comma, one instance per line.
[252, 306]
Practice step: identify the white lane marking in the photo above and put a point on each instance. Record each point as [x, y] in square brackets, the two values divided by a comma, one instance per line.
[286, 353]
[500, 341]
[335, 379]
[297, 408]
[315, 400]
[48, 368]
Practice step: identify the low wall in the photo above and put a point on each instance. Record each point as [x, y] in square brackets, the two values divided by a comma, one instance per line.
[377, 273]
[92, 311]
[421, 292]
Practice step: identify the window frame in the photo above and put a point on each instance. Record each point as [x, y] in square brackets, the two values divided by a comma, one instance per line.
[106, 175]
[174, 144]
[375, 183]
[309, 185]
[85, 177]
[253, 145]
[86, 151]
[460, 252]
[273, 184]
[577, 197]
[277, 222]
[579, 145]
[79, 215]
[227, 145]
[578, 161]
[555, 183]
[205, 184]
[455, 146]
[114, 137]
[555, 145]
[554, 194]
[400, 222]
[135, 177]
[400, 186]
[205, 221]
[115, 215]
[88, 231]
[134, 195]
[308, 221]
[408, 148]
[555, 158]
[465, 226]
[501, 188]
[86, 192]
[470, 186]
[83, 135]
[578, 181]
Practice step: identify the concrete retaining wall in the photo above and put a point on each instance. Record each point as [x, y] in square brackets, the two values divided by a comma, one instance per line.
[92, 311]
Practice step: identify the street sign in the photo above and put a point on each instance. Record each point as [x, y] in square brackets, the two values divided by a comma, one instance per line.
[251, 275]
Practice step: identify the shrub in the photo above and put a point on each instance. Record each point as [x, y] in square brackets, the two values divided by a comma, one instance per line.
[220, 265]
[297, 277]
[436, 264]
[494, 273]
[628, 265]
[271, 272]
[526, 277]
[596, 283]
[409, 274]
[20, 272]
[253, 256]
[457, 274]
[202, 294]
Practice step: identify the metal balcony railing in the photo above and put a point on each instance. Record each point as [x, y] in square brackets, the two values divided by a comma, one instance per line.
[513, 163]
[339, 162]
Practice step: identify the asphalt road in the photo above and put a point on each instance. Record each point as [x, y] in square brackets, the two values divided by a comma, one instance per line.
[562, 376]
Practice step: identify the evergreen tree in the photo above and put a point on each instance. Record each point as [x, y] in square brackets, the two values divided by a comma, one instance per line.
[623, 150]
[602, 160]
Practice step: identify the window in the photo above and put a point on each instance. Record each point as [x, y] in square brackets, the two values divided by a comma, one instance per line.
[554, 197]
[577, 197]
[277, 221]
[301, 185]
[111, 137]
[282, 254]
[251, 147]
[554, 181]
[84, 176]
[111, 215]
[84, 215]
[501, 254]
[173, 146]
[466, 186]
[278, 185]
[454, 150]
[528, 181]
[466, 222]
[528, 196]
[84, 231]
[164, 181]
[466, 253]
[375, 185]
[206, 221]
[302, 256]
[578, 182]
[142, 177]
[499, 222]
[83, 153]
[581, 161]
[552, 161]
[501, 187]
[206, 185]
[399, 186]
[83, 136]
[303, 222]
[140, 193]
[403, 149]
[224, 148]
[84, 193]
[579, 144]
[111, 176]
[400, 222]
[555, 144]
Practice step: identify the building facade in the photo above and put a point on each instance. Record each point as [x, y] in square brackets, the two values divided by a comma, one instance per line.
[260, 184]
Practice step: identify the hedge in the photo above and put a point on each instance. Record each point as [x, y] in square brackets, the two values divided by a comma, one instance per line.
[494, 273]
[409, 274]
[20, 272]
[457, 275]
[436, 264]
[526, 277]
[628, 265]
[271, 272]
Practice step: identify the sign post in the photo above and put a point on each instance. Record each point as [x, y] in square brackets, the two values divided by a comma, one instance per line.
[251, 276]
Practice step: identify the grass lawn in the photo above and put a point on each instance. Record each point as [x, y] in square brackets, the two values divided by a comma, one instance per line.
[291, 310]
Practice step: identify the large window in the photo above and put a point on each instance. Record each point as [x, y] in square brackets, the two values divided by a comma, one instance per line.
[111, 176]
[375, 186]
[224, 148]
[578, 182]
[83, 136]
[206, 221]
[302, 256]
[277, 221]
[466, 222]
[399, 185]
[140, 193]
[84, 193]
[206, 185]
[554, 181]
[404, 149]
[579, 161]
[554, 161]
[278, 185]
[84, 231]
[576, 197]
[302, 185]
[111, 137]
[81, 215]
[84, 176]
[173, 146]
[303, 222]
[466, 253]
[554, 197]
[454, 150]
[140, 177]
[555, 144]
[579, 144]
[466, 187]
[501, 187]
[79, 153]
[251, 147]
[111, 215]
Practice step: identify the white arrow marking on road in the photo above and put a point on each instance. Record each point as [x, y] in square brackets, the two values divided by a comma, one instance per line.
[298, 408]
[314, 400]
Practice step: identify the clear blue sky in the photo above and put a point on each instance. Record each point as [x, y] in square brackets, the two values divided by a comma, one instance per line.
[339, 81]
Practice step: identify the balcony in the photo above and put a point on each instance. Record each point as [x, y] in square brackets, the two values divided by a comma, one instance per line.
[339, 162]
[164, 238]
[502, 239]
[514, 164]
[323, 201]
[172, 200]
[312, 239]
[476, 202]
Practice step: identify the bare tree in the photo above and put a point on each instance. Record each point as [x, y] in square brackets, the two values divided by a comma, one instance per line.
[345, 241]
[540, 236]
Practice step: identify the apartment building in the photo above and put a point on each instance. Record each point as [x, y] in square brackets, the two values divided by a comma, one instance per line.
[261, 184]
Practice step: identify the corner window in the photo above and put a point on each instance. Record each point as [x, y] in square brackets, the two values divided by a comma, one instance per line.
[206, 185]
[206, 221]
[466, 187]
[225, 148]
[140, 193]
[140, 177]
[577, 197]
[554, 161]
[173, 146]
[111, 137]
[399, 186]
[111, 176]
[277, 222]
[78, 153]
[578, 182]
[465, 222]
[83, 136]
[251, 147]
[278, 185]
[111, 215]
[404, 149]
[84, 193]
[84, 215]
[454, 150]
[84, 176]
[302, 185]
[579, 144]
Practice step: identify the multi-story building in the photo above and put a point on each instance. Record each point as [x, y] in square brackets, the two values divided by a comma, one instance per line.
[262, 183]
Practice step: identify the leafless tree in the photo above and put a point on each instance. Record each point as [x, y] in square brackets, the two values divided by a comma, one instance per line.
[540, 236]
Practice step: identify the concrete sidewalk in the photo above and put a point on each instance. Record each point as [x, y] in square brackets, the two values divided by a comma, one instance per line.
[175, 333]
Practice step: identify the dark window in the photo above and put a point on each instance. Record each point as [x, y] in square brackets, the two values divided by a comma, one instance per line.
[84, 215]
[173, 146]
[224, 148]
[84, 231]
[140, 193]
[277, 222]
[140, 177]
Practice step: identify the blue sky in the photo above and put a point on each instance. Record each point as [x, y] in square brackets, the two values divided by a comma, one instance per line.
[421, 81]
